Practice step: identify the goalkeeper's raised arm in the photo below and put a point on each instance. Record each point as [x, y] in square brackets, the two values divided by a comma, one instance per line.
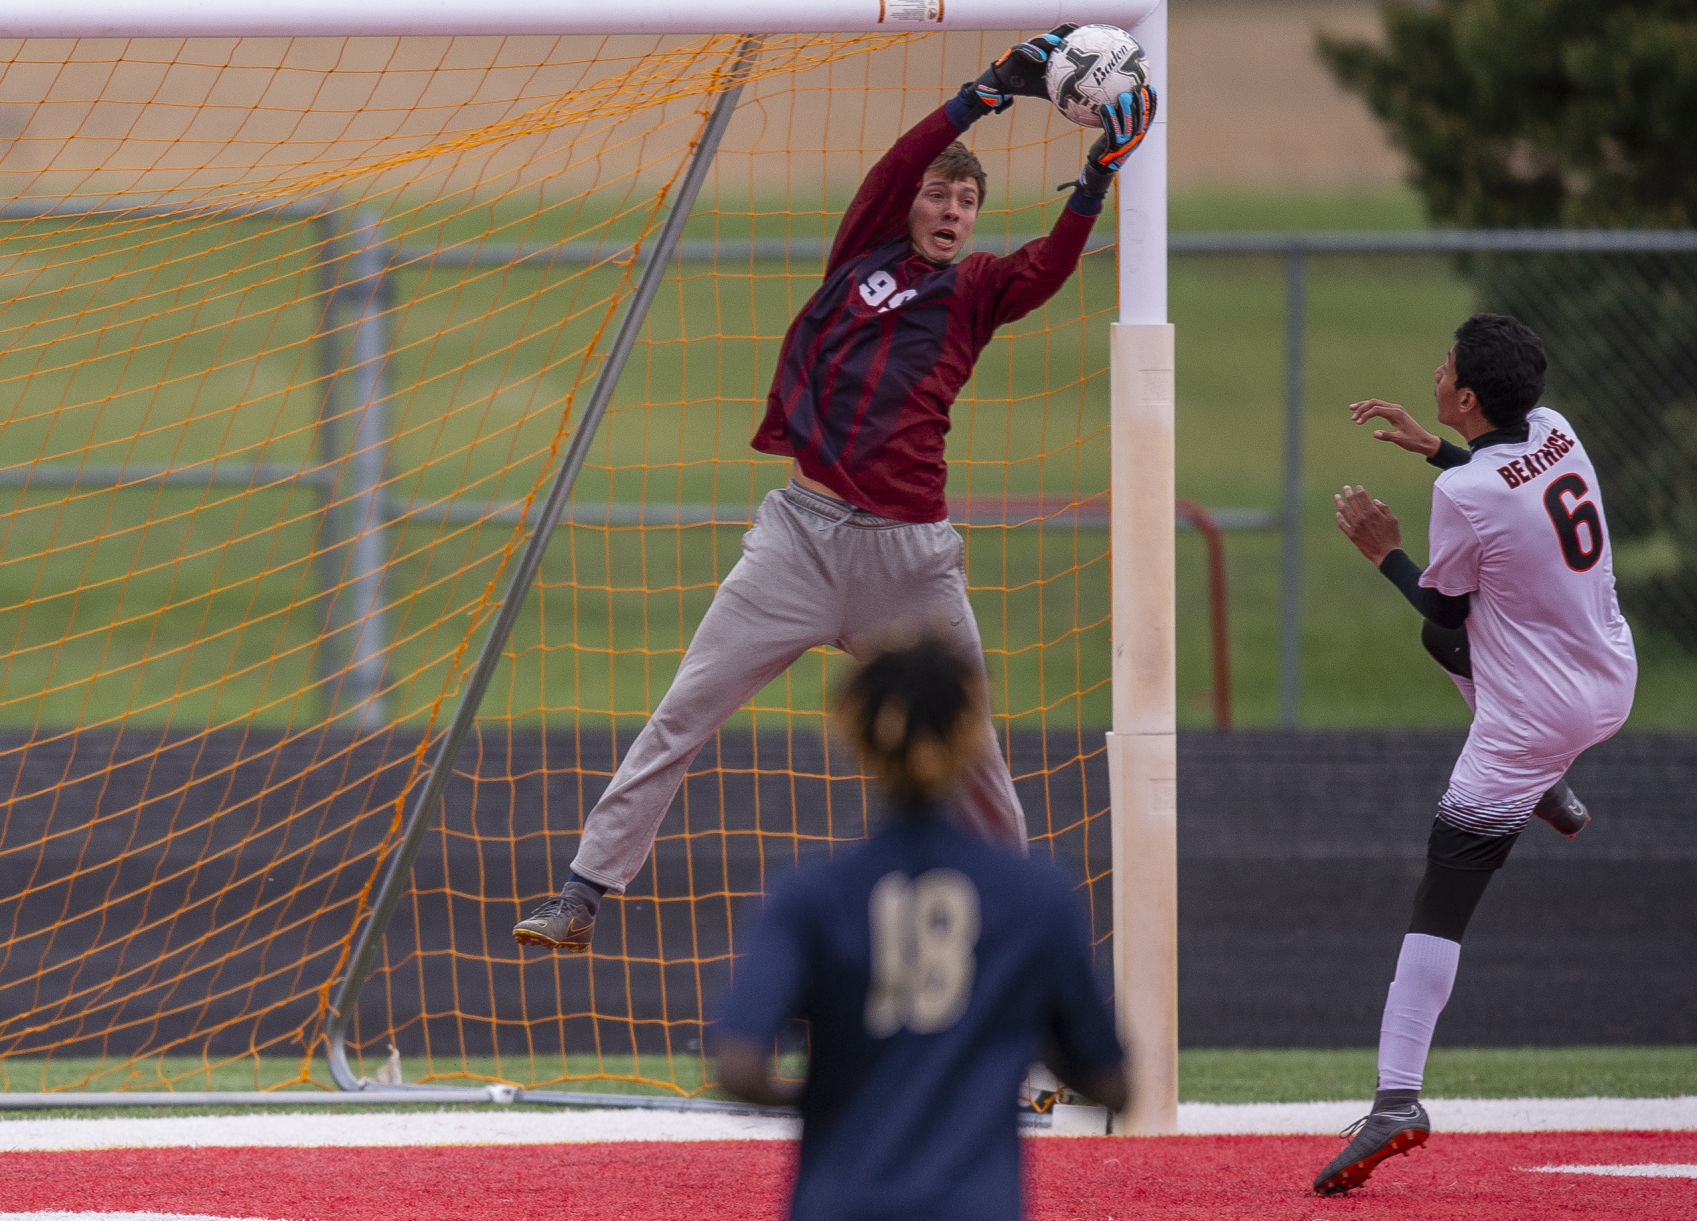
[880, 208]
[858, 541]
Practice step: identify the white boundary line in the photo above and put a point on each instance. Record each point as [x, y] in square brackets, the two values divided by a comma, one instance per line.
[462, 1127]
[103, 1216]
[1643, 1170]
[1452, 1115]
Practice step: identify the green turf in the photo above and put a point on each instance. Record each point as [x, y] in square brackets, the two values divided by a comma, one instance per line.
[211, 614]
[1462, 1072]
[1205, 1075]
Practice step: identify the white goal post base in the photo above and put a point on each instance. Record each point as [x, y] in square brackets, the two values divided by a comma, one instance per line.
[1142, 746]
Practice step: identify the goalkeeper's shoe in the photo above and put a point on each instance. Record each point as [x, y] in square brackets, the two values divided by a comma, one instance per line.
[565, 921]
[1039, 1092]
[1372, 1139]
[1562, 810]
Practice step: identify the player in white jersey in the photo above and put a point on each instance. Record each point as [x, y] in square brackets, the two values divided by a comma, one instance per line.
[1519, 603]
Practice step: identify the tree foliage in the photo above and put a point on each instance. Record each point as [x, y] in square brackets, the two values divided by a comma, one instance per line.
[1575, 114]
[1538, 112]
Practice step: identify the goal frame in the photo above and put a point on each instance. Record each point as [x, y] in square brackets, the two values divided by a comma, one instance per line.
[1141, 744]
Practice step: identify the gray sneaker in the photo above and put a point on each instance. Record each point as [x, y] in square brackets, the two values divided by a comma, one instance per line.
[565, 921]
[1562, 810]
[1373, 1138]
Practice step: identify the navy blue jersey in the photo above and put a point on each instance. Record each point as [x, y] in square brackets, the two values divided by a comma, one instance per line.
[870, 367]
[930, 966]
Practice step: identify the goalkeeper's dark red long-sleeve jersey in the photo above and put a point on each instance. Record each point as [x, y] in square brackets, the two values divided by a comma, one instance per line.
[871, 365]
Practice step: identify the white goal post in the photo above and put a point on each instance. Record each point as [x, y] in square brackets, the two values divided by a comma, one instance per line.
[1141, 745]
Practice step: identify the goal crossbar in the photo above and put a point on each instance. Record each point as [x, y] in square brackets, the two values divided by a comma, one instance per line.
[305, 18]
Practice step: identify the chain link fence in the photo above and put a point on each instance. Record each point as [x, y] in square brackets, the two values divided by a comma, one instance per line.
[1622, 329]
[1371, 314]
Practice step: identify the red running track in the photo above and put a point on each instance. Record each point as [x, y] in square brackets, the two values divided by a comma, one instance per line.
[1456, 1177]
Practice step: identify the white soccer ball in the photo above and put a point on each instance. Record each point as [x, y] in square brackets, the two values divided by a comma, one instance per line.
[1093, 65]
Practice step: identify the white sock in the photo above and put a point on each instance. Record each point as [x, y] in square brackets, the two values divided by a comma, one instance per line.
[1425, 973]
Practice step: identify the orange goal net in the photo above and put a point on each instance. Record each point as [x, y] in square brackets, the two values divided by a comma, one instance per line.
[293, 336]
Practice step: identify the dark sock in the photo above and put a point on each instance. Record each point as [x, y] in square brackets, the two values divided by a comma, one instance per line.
[591, 891]
[1390, 1100]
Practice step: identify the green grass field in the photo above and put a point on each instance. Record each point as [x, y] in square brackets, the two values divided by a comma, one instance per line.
[1205, 1075]
[209, 615]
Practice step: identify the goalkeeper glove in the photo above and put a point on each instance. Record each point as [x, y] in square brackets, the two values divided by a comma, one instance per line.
[1125, 121]
[1018, 73]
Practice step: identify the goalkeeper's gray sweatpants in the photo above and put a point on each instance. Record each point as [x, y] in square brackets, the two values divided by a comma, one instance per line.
[813, 572]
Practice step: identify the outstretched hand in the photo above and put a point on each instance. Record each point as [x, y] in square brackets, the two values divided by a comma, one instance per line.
[1019, 71]
[1125, 121]
[1367, 523]
[1403, 430]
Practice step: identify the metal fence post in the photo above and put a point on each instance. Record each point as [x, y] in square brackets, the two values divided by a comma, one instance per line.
[1290, 599]
[370, 637]
[321, 460]
[357, 386]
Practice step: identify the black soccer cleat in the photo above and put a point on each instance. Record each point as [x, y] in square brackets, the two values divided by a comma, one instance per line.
[565, 921]
[1562, 810]
[1372, 1139]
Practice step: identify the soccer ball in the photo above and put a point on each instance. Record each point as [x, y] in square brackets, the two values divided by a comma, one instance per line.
[1093, 65]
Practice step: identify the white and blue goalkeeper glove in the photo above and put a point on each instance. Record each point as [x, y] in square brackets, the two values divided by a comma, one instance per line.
[1125, 121]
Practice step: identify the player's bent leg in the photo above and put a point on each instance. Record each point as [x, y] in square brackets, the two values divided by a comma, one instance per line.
[1490, 784]
[619, 831]
[1449, 647]
[926, 582]
[987, 802]
[763, 616]
[1459, 866]
[1563, 810]
[736, 651]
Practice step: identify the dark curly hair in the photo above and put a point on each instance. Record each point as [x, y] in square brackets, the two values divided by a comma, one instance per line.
[1501, 360]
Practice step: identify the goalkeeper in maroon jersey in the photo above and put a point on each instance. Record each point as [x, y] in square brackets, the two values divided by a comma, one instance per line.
[860, 402]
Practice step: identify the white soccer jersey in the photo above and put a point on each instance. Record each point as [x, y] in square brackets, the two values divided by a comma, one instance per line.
[1521, 529]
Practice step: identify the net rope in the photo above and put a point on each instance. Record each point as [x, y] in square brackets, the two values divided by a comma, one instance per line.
[292, 336]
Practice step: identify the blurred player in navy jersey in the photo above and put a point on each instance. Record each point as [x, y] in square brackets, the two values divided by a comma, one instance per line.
[1519, 606]
[931, 967]
[860, 403]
